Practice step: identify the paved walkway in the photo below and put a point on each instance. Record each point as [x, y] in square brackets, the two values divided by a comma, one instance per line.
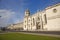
[53, 35]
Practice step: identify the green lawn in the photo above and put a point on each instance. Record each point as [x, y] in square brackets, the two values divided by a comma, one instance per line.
[20, 36]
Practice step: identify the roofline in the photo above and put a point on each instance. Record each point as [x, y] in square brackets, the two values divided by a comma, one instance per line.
[52, 6]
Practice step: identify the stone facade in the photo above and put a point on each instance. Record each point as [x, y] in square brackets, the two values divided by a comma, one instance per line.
[18, 26]
[53, 17]
[48, 19]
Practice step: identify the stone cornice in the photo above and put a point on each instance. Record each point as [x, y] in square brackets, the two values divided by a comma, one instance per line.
[52, 6]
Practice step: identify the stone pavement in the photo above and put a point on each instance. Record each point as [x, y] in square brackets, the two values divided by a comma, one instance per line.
[42, 34]
[53, 35]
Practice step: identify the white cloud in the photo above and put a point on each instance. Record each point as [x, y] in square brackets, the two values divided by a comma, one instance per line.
[17, 21]
[6, 13]
[7, 17]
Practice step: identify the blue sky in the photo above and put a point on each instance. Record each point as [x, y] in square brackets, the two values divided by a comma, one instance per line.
[12, 11]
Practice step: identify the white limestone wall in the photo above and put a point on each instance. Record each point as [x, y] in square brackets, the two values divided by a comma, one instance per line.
[29, 24]
[53, 24]
[43, 20]
[25, 23]
[53, 19]
[34, 26]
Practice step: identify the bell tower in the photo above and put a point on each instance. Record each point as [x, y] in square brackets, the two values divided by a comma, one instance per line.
[27, 13]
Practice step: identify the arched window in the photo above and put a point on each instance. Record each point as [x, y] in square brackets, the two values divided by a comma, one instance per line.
[38, 18]
[45, 19]
[33, 21]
